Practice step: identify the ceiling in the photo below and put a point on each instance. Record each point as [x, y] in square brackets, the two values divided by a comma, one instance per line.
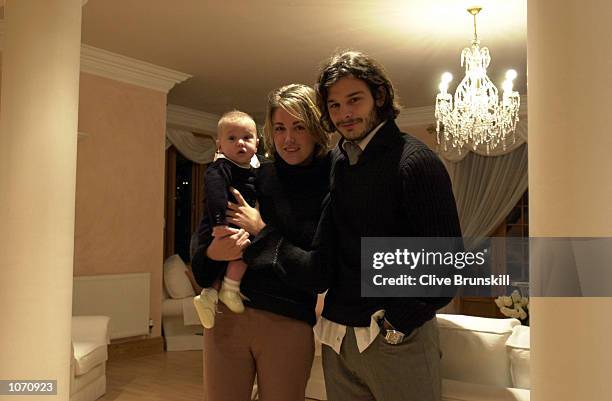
[237, 51]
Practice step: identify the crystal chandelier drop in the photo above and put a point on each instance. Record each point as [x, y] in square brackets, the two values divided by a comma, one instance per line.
[477, 116]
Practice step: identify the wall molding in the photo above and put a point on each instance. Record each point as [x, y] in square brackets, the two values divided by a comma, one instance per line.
[420, 116]
[415, 116]
[194, 120]
[129, 70]
[122, 68]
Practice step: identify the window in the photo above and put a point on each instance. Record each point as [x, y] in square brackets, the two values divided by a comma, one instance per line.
[516, 224]
[184, 202]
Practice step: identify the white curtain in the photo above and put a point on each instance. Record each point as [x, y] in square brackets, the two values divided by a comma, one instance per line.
[197, 148]
[486, 189]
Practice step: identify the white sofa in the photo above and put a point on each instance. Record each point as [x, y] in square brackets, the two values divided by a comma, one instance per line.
[181, 326]
[181, 332]
[90, 339]
[482, 360]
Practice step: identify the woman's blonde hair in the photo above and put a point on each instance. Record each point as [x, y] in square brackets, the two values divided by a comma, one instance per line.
[299, 101]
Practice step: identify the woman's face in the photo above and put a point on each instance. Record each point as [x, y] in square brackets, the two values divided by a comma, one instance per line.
[292, 140]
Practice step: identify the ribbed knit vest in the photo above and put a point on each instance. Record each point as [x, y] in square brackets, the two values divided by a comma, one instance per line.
[376, 197]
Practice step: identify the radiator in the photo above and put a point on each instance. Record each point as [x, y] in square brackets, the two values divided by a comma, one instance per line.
[122, 297]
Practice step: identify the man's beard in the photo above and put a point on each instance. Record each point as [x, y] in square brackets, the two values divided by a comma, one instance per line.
[371, 121]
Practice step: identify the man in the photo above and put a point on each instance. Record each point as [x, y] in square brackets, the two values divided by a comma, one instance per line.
[384, 183]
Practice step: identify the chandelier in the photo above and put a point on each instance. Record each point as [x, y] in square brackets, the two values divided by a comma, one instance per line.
[477, 118]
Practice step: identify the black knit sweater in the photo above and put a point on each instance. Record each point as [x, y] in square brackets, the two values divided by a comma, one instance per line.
[219, 177]
[290, 200]
[398, 188]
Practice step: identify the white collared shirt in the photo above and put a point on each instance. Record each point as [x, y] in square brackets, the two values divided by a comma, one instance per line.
[332, 333]
[254, 163]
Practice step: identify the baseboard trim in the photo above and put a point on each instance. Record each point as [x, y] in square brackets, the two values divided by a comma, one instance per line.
[135, 347]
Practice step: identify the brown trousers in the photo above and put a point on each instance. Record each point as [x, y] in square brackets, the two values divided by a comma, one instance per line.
[278, 349]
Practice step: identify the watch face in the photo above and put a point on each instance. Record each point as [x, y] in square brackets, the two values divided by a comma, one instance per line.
[394, 337]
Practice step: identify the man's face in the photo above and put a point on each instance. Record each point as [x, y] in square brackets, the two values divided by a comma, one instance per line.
[352, 108]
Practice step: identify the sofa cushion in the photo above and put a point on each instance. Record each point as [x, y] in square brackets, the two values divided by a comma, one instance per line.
[453, 390]
[80, 382]
[92, 391]
[519, 353]
[88, 354]
[172, 307]
[474, 349]
[175, 278]
[91, 328]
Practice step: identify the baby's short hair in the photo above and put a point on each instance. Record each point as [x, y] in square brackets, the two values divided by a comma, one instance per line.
[234, 117]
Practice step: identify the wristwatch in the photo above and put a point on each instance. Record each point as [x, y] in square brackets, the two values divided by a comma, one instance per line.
[391, 335]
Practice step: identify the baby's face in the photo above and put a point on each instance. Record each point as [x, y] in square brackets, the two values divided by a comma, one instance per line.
[238, 141]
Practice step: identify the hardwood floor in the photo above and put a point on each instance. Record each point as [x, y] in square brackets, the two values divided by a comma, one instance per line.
[169, 376]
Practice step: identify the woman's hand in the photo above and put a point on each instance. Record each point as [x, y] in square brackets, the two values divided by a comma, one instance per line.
[244, 215]
[228, 244]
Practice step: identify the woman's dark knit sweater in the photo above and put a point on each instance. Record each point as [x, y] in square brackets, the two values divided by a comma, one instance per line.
[289, 202]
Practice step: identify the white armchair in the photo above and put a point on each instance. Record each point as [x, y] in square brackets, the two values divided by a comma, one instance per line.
[90, 339]
[182, 329]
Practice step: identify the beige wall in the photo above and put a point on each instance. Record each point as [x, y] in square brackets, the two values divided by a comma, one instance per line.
[120, 183]
[420, 132]
[570, 172]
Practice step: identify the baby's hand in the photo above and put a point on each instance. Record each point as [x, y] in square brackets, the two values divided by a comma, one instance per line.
[220, 231]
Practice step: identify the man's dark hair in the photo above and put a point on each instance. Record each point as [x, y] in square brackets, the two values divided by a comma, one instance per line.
[360, 66]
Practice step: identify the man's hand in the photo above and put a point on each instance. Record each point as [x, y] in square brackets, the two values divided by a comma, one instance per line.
[228, 244]
[244, 215]
[387, 326]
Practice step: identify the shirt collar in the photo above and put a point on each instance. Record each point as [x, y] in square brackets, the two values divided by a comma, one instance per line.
[254, 163]
[365, 141]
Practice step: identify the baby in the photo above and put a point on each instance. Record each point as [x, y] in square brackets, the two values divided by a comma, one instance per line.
[233, 167]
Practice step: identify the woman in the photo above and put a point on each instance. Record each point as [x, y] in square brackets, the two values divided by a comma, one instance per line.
[273, 338]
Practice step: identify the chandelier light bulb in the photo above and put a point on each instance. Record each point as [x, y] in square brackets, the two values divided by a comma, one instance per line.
[511, 75]
[444, 81]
